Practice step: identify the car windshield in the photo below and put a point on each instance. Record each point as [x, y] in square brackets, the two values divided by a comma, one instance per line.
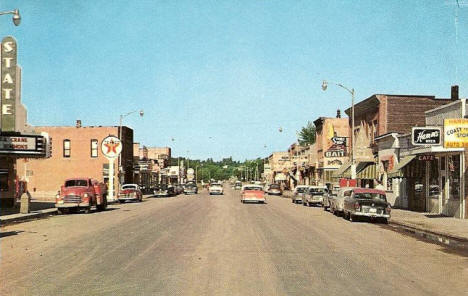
[73, 183]
[129, 187]
[253, 188]
[215, 184]
[274, 186]
[317, 191]
[369, 195]
[301, 189]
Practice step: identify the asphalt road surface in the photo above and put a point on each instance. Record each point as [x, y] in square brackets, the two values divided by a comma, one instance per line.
[214, 245]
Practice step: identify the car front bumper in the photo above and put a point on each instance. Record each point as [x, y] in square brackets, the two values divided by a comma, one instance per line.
[72, 205]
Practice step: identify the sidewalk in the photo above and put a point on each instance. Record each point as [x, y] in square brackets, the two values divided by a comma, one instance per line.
[38, 209]
[448, 227]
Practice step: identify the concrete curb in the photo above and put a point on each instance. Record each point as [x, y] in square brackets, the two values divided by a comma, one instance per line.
[15, 218]
[443, 238]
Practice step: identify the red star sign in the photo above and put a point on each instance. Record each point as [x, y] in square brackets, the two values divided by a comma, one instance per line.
[111, 146]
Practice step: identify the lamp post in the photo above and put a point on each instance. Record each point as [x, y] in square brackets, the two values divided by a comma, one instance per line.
[122, 116]
[16, 16]
[351, 91]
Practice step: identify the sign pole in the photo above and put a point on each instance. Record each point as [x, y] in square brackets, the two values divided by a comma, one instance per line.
[110, 196]
[111, 148]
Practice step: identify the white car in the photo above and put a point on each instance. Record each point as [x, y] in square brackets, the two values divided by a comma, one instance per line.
[337, 202]
[215, 188]
[298, 192]
[314, 196]
[253, 193]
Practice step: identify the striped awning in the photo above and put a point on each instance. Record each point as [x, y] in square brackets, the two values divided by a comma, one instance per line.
[366, 171]
[396, 172]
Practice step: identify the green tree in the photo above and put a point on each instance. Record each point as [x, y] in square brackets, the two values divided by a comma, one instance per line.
[307, 134]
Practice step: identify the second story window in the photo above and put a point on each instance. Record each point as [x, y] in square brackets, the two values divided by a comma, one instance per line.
[66, 148]
[94, 148]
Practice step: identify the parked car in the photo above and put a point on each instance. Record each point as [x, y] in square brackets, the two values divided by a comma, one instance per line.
[238, 185]
[190, 188]
[298, 192]
[327, 199]
[366, 202]
[81, 194]
[252, 193]
[274, 189]
[314, 196]
[130, 192]
[337, 201]
[164, 190]
[179, 189]
[215, 188]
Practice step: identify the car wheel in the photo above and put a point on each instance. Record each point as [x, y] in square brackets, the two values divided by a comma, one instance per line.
[384, 220]
[87, 210]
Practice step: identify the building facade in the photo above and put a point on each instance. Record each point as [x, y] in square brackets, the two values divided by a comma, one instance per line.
[76, 152]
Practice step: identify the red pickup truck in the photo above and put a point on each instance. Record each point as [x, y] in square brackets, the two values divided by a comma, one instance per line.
[81, 193]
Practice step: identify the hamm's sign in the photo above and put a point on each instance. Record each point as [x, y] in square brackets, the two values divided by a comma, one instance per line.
[456, 133]
[8, 85]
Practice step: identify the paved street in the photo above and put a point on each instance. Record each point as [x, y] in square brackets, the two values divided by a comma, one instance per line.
[214, 245]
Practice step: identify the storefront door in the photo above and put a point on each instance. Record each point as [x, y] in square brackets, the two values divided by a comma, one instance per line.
[450, 182]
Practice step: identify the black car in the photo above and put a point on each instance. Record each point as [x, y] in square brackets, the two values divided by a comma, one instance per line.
[190, 188]
[164, 190]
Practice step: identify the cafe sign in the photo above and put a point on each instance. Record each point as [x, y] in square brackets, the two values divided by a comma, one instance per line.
[456, 133]
[8, 85]
[426, 136]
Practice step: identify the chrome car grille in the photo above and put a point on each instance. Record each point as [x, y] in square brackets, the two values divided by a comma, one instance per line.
[72, 199]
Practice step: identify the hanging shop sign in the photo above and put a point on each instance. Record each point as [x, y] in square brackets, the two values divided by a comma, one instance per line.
[24, 145]
[456, 133]
[336, 151]
[339, 140]
[8, 85]
[426, 136]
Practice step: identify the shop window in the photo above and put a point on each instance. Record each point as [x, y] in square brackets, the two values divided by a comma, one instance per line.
[454, 176]
[434, 189]
[66, 148]
[94, 148]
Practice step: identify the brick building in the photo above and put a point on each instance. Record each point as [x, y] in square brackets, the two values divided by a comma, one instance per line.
[76, 152]
[382, 114]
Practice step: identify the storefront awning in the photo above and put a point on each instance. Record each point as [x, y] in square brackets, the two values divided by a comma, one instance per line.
[396, 171]
[344, 169]
[366, 170]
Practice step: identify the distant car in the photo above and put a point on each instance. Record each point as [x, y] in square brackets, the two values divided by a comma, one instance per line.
[216, 188]
[366, 202]
[298, 192]
[274, 189]
[179, 188]
[130, 192]
[238, 185]
[314, 196]
[327, 199]
[253, 193]
[164, 190]
[190, 188]
[337, 201]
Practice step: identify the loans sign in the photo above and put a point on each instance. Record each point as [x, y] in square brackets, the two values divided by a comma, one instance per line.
[426, 136]
[8, 85]
[456, 133]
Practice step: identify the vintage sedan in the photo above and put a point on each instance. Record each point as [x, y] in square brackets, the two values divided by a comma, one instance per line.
[314, 196]
[253, 193]
[130, 192]
[274, 189]
[190, 188]
[238, 185]
[298, 192]
[164, 190]
[337, 201]
[216, 188]
[366, 202]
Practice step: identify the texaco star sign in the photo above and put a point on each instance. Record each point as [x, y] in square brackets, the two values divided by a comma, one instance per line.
[111, 147]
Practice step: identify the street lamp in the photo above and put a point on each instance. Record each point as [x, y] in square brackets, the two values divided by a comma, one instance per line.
[16, 16]
[122, 116]
[351, 91]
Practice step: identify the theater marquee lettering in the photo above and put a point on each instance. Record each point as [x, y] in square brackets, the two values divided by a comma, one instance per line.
[8, 84]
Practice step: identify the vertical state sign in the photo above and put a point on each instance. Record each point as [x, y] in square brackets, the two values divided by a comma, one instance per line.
[8, 84]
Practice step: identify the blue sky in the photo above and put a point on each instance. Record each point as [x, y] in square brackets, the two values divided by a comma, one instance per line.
[221, 77]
